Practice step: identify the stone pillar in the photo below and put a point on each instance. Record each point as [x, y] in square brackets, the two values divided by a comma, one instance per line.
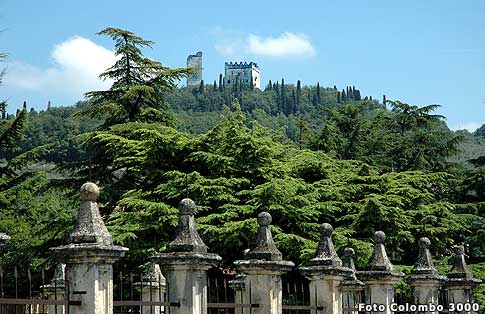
[380, 277]
[424, 279]
[152, 289]
[460, 281]
[240, 292]
[186, 263]
[55, 290]
[89, 257]
[326, 274]
[352, 288]
[263, 266]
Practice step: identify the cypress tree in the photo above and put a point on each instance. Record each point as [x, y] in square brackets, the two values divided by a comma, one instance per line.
[318, 92]
[214, 87]
[343, 96]
[338, 97]
[201, 87]
[335, 87]
[298, 92]
[293, 102]
[283, 96]
[270, 85]
[357, 94]
[251, 87]
[221, 87]
[384, 100]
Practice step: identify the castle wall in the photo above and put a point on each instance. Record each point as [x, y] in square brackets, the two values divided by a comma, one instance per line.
[195, 62]
[242, 71]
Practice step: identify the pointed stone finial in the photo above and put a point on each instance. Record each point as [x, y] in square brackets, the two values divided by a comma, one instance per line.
[424, 264]
[326, 254]
[187, 238]
[460, 269]
[379, 260]
[90, 227]
[153, 278]
[3, 239]
[348, 259]
[265, 248]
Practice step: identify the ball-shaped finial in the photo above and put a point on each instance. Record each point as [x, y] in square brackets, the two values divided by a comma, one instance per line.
[326, 229]
[348, 251]
[89, 192]
[379, 237]
[458, 249]
[424, 243]
[187, 207]
[264, 219]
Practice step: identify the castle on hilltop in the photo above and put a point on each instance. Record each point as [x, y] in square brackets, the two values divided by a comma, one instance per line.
[234, 73]
[194, 62]
[246, 73]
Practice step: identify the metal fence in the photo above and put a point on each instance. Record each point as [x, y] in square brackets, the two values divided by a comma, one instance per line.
[23, 292]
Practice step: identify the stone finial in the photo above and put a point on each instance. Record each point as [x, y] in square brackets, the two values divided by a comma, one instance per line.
[3, 239]
[460, 269]
[154, 277]
[90, 227]
[379, 260]
[325, 254]
[265, 248]
[348, 258]
[187, 238]
[89, 192]
[424, 264]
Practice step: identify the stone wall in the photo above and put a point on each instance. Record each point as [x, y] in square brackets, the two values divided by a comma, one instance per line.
[195, 62]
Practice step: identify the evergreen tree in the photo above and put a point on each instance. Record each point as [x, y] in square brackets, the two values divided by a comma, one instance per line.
[201, 87]
[292, 107]
[298, 93]
[221, 87]
[269, 86]
[338, 98]
[318, 93]
[357, 96]
[251, 86]
[283, 97]
[343, 96]
[139, 84]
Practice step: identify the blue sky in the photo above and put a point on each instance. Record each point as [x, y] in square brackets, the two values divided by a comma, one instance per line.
[419, 52]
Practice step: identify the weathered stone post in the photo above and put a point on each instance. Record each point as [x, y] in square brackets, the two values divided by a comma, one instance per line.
[55, 290]
[263, 267]
[240, 293]
[424, 279]
[460, 281]
[326, 274]
[380, 277]
[351, 287]
[186, 263]
[89, 257]
[152, 289]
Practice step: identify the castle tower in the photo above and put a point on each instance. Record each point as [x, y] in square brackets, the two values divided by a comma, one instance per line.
[245, 72]
[195, 62]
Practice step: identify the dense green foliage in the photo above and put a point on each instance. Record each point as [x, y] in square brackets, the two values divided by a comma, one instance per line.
[306, 154]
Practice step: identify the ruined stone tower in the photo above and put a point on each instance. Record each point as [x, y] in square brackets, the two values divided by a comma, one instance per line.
[195, 62]
[244, 72]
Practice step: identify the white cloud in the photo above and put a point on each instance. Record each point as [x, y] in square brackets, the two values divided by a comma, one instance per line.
[470, 126]
[283, 46]
[77, 64]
